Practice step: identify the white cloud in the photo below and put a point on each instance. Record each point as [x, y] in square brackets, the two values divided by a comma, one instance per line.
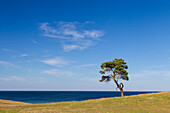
[150, 74]
[10, 78]
[5, 79]
[25, 78]
[59, 62]
[160, 73]
[35, 42]
[87, 65]
[47, 29]
[7, 64]
[72, 47]
[55, 36]
[72, 34]
[17, 78]
[23, 55]
[7, 50]
[58, 72]
[93, 33]
[90, 79]
[87, 22]
[81, 44]
[155, 66]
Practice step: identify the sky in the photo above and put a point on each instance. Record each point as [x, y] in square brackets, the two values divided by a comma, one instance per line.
[59, 45]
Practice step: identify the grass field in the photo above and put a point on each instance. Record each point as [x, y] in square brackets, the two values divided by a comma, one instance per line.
[144, 103]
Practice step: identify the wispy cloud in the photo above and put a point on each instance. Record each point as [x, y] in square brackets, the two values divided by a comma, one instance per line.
[58, 72]
[72, 34]
[93, 33]
[10, 78]
[5, 79]
[87, 65]
[7, 64]
[7, 50]
[23, 78]
[23, 55]
[35, 42]
[162, 73]
[59, 62]
[90, 79]
[150, 74]
[155, 66]
[72, 47]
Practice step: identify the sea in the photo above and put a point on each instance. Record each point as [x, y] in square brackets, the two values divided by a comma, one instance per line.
[62, 96]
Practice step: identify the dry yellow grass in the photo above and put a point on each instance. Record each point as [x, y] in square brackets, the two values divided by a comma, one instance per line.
[143, 103]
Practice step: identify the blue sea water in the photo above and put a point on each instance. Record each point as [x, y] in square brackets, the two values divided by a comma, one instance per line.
[61, 96]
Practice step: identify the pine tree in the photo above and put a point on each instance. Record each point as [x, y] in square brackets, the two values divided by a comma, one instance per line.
[115, 70]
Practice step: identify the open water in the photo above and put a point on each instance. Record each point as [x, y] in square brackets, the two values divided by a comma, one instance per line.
[61, 96]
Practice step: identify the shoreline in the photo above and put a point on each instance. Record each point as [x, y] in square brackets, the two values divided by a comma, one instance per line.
[142, 103]
[88, 99]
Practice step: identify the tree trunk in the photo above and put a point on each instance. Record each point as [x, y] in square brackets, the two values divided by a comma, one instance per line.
[121, 88]
[121, 92]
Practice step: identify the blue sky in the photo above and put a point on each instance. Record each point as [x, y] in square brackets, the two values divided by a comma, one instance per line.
[60, 44]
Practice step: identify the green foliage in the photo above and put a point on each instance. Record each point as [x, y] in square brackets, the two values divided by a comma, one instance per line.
[105, 78]
[114, 68]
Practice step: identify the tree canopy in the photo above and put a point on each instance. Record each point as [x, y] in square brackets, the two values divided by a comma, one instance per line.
[115, 70]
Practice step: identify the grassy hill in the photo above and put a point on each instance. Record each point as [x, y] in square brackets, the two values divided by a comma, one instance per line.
[144, 103]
